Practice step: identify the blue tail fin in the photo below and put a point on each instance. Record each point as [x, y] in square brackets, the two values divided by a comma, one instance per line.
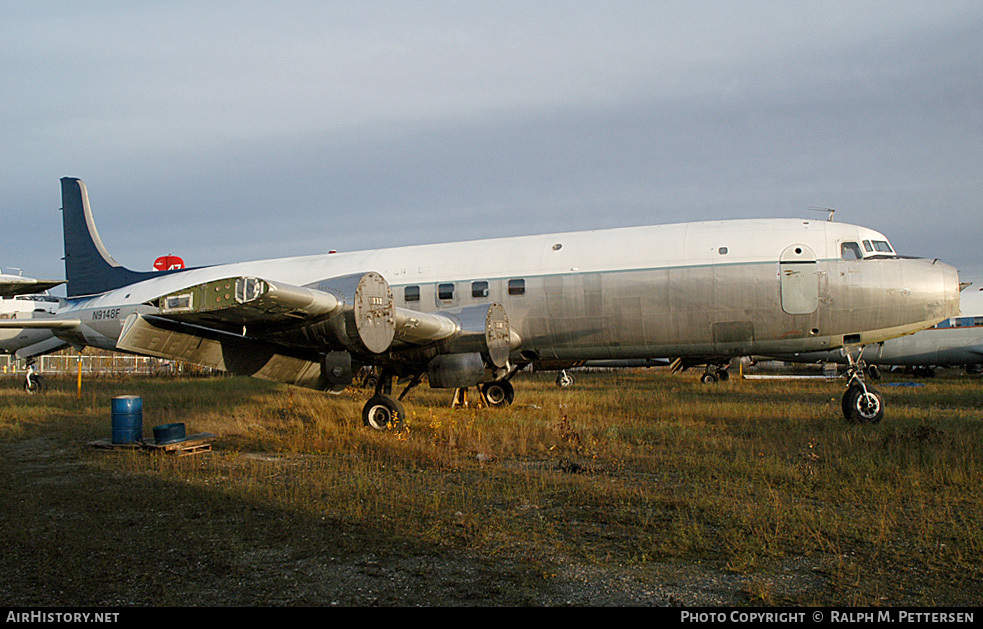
[89, 268]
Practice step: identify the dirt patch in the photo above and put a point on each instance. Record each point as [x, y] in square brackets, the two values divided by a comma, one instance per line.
[82, 535]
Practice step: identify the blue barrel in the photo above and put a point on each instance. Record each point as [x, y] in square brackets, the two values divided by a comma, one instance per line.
[127, 419]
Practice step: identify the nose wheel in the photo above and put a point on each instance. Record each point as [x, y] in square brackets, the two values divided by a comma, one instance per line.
[862, 404]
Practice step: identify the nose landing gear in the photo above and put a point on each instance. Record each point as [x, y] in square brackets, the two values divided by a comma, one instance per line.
[861, 404]
[34, 382]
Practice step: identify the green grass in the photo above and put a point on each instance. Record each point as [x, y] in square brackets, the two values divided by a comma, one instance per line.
[761, 482]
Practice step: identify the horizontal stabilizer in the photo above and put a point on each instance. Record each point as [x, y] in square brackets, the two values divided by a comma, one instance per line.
[11, 285]
[39, 324]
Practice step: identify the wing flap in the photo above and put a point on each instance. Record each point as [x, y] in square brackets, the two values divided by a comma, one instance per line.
[163, 338]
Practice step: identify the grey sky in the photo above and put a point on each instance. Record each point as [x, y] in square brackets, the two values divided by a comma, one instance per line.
[224, 131]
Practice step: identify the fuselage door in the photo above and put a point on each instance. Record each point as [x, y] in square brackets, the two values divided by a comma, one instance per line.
[799, 271]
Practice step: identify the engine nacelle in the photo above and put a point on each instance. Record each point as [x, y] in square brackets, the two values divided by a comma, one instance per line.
[452, 371]
[368, 323]
[482, 329]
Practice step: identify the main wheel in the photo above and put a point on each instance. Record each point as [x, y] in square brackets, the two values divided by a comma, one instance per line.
[498, 393]
[383, 412]
[863, 407]
[708, 378]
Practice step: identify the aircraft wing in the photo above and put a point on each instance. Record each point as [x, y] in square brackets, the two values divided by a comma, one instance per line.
[277, 311]
[11, 285]
[304, 334]
[47, 346]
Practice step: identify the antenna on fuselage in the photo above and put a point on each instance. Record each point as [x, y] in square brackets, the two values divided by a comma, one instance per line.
[824, 209]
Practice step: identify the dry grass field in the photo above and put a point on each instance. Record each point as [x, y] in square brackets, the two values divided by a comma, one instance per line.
[631, 488]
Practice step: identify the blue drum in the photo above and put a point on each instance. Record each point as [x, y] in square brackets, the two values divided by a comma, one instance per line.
[127, 419]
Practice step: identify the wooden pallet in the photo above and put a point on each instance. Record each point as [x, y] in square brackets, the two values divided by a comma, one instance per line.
[192, 444]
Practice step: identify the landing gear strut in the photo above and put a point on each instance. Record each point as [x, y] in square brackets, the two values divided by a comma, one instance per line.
[861, 404]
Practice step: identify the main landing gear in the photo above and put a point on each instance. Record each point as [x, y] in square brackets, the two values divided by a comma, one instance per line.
[383, 411]
[862, 404]
[497, 393]
[714, 373]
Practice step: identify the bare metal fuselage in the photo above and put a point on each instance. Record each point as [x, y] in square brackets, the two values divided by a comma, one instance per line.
[716, 289]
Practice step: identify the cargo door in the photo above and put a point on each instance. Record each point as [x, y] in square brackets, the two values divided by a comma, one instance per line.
[799, 272]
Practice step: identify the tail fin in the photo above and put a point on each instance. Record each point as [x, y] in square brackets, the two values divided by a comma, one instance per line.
[89, 268]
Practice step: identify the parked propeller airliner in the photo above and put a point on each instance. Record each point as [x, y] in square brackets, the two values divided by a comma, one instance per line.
[473, 313]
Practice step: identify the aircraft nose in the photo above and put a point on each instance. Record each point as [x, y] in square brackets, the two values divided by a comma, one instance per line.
[942, 290]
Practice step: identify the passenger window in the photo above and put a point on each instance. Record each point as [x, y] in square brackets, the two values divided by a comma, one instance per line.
[851, 251]
[411, 293]
[479, 289]
[445, 291]
[517, 287]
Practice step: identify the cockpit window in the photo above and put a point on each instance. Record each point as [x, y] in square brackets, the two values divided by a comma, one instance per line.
[867, 247]
[881, 246]
[850, 251]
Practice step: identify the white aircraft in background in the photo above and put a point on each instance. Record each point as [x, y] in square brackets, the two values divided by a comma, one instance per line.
[20, 301]
[474, 313]
[28, 341]
[22, 298]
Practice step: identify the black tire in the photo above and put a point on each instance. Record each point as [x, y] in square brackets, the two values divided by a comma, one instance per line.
[863, 407]
[708, 378]
[564, 380]
[498, 393]
[383, 412]
[723, 375]
[34, 385]
[874, 372]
